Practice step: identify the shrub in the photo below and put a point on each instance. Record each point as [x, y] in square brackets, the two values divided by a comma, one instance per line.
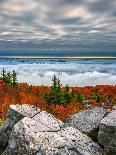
[79, 97]
[97, 98]
[1, 121]
[30, 88]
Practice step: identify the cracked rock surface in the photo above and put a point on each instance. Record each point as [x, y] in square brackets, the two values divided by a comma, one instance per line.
[86, 120]
[30, 138]
[15, 114]
[107, 133]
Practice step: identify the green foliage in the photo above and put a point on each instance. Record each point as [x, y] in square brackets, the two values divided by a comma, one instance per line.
[9, 78]
[1, 121]
[56, 96]
[14, 78]
[66, 96]
[97, 98]
[79, 97]
[30, 88]
[3, 74]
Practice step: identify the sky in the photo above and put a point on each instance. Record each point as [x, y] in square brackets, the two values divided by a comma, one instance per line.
[58, 25]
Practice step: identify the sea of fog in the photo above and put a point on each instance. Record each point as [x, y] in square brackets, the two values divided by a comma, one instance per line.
[75, 72]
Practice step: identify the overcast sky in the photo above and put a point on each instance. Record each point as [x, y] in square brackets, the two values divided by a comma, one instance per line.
[48, 25]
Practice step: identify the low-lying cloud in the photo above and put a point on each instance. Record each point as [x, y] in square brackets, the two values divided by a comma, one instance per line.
[74, 74]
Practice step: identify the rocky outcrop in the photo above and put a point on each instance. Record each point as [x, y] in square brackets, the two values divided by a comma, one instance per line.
[87, 121]
[30, 131]
[15, 114]
[37, 137]
[107, 133]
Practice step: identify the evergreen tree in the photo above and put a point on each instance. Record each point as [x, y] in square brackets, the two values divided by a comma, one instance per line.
[14, 78]
[54, 82]
[56, 96]
[66, 98]
[56, 90]
[8, 78]
[3, 75]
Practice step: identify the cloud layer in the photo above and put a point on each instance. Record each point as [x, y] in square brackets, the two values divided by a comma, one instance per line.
[78, 25]
[74, 73]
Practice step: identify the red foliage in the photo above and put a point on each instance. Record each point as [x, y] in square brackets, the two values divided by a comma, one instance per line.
[23, 93]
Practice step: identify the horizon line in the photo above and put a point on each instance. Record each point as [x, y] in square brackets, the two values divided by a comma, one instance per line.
[55, 57]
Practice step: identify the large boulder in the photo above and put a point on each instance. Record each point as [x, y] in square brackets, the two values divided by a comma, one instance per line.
[87, 121]
[15, 114]
[107, 133]
[36, 137]
[48, 120]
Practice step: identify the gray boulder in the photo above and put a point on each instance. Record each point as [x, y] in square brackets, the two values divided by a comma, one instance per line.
[107, 133]
[33, 137]
[15, 114]
[87, 121]
[48, 120]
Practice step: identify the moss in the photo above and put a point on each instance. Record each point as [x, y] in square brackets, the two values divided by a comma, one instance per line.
[1, 121]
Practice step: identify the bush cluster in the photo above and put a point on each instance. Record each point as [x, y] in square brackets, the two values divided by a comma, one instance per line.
[57, 96]
[9, 78]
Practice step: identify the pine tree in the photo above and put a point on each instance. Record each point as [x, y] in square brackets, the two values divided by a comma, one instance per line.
[8, 78]
[54, 82]
[14, 78]
[56, 90]
[66, 98]
[55, 95]
[3, 75]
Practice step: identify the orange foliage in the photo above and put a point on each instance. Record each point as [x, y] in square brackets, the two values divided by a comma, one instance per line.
[25, 94]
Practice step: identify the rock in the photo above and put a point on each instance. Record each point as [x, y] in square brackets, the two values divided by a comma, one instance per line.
[114, 107]
[23, 110]
[15, 114]
[49, 120]
[87, 121]
[30, 137]
[107, 133]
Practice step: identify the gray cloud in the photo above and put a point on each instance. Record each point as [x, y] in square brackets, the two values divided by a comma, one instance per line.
[76, 25]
